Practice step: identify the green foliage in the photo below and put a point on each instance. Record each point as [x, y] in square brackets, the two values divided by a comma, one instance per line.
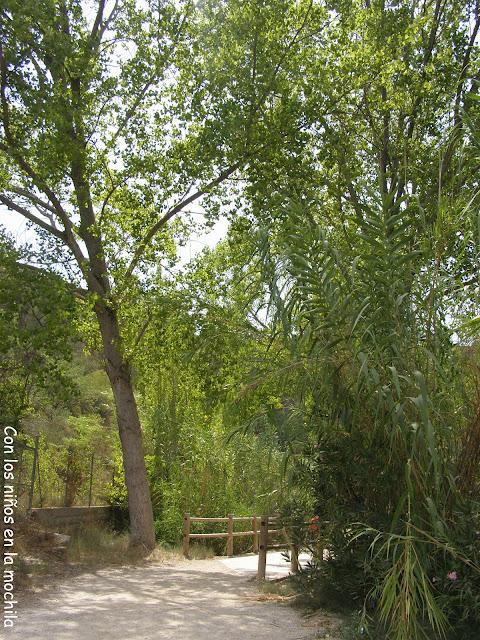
[366, 264]
[36, 333]
[369, 317]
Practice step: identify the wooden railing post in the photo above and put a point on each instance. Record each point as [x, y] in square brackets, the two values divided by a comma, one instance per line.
[263, 547]
[261, 539]
[255, 534]
[294, 558]
[230, 535]
[186, 534]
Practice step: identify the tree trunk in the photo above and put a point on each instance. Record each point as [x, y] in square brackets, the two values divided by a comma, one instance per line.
[119, 374]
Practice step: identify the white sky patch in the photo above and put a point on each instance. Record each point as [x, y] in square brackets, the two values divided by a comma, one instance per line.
[197, 241]
[17, 227]
[24, 233]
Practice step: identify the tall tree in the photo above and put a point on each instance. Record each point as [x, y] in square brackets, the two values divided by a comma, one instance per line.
[115, 121]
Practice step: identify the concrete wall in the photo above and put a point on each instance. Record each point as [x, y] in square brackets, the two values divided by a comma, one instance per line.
[70, 516]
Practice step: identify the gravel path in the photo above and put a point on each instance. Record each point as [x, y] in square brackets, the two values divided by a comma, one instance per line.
[191, 600]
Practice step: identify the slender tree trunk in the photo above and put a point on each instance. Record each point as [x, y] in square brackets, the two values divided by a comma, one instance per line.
[119, 374]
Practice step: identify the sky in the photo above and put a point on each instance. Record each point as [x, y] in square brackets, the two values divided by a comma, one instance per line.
[22, 231]
[19, 229]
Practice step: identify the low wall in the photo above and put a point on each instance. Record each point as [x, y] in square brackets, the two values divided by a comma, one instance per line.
[71, 516]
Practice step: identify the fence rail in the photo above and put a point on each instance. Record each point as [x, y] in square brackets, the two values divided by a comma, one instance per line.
[230, 534]
[266, 544]
[264, 538]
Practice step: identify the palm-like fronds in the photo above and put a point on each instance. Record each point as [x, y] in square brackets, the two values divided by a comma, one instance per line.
[367, 314]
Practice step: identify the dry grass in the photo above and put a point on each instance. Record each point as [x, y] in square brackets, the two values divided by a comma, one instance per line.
[165, 555]
[282, 588]
[90, 547]
[37, 565]
[270, 597]
[97, 546]
[325, 624]
[201, 552]
[170, 555]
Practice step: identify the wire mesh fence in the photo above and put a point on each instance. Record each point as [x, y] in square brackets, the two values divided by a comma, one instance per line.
[50, 475]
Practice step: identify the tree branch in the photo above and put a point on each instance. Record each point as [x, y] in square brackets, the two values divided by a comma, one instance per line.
[457, 115]
[98, 29]
[427, 56]
[105, 24]
[11, 149]
[150, 80]
[141, 333]
[280, 61]
[98, 20]
[78, 292]
[13, 206]
[154, 229]
[33, 199]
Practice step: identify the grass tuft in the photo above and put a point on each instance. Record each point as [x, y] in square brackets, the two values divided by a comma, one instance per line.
[97, 546]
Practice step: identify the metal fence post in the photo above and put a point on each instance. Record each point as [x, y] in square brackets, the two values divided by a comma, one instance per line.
[34, 470]
[39, 480]
[91, 480]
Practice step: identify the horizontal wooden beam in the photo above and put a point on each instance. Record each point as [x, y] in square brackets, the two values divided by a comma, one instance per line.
[237, 518]
[208, 519]
[276, 531]
[243, 533]
[285, 545]
[193, 536]
[221, 535]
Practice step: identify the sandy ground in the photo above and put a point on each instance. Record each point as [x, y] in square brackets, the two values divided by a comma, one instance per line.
[277, 564]
[190, 600]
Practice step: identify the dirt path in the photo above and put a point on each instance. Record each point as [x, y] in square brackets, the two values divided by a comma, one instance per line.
[195, 600]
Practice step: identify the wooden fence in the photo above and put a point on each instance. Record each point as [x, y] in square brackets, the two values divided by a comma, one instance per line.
[230, 534]
[264, 538]
[268, 542]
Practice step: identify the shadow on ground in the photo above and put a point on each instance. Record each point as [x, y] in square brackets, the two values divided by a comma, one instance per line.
[198, 600]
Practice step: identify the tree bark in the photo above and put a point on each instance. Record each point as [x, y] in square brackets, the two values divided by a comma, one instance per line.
[119, 374]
